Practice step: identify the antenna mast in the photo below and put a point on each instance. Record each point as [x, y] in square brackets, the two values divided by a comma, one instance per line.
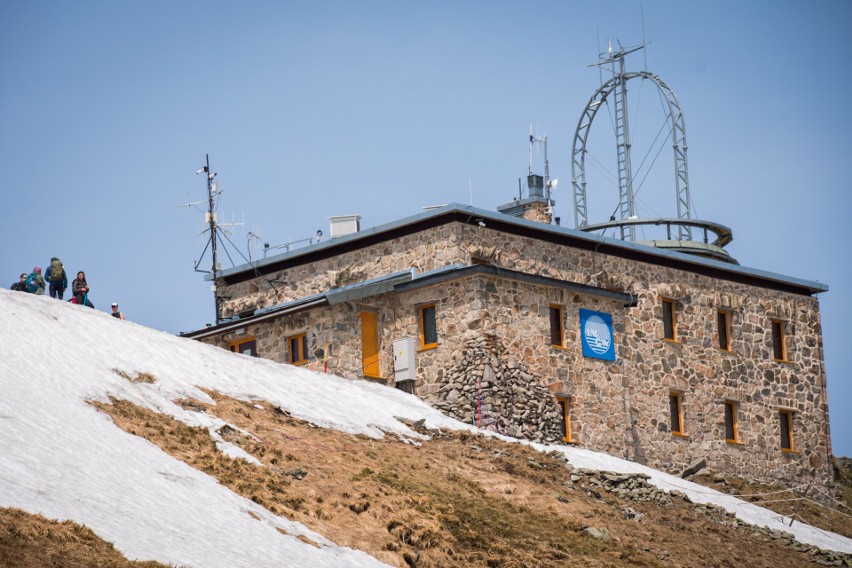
[210, 219]
[213, 226]
[548, 183]
[624, 218]
[532, 141]
[622, 134]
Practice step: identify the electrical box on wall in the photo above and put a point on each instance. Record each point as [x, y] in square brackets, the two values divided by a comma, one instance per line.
[403, 359]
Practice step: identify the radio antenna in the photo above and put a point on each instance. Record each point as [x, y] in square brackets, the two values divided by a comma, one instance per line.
[212, 241]
[211, 220]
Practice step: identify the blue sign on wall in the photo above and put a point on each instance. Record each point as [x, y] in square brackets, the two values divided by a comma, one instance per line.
[596, 335]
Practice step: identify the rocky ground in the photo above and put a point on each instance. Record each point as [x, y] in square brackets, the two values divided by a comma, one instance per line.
[456, 500]
[830, 512]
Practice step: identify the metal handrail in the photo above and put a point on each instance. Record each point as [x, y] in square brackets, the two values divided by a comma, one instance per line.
[723, 234]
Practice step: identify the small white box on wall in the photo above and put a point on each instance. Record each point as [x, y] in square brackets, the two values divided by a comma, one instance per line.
[403, 359]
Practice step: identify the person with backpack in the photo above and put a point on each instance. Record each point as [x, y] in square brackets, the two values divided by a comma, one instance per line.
[80, 289]
[57, 278]
[35, 282]
[21, 285]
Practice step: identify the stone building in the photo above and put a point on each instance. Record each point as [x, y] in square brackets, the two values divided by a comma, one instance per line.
[555, 334]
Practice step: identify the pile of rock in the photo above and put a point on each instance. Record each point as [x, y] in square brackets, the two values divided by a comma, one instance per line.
[631, 486]
[487, 389]
[818, 555]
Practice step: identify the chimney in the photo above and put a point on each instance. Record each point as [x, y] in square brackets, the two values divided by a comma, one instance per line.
[538, 211]
[535, 207]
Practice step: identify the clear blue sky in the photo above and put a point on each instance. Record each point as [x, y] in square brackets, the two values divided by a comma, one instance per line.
[379, 108]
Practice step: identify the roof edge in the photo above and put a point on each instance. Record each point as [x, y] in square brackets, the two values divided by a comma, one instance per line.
[499, 221]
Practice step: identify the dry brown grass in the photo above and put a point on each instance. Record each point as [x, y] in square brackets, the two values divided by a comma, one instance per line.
[33, 541]
[455, 500]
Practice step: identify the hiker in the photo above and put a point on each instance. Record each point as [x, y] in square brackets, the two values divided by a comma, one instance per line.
[115, 312]
[21, 285]
[35, 282]
[57, 278]
[80, 289]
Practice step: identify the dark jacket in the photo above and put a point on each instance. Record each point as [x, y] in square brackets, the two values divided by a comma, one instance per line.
[63, 283]
[19, 286]
[80, 289]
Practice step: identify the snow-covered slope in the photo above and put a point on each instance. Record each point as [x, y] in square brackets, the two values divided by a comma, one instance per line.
[63, 459]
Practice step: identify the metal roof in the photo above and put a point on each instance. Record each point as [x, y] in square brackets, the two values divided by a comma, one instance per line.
[455, 212]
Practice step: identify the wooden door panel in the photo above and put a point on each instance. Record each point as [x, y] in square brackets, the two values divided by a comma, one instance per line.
[370, 344]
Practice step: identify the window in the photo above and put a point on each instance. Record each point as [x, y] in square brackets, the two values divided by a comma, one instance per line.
[778, 348]
[731, 426]
[246, 346]
[786, 422]
[428, 327]
[723, 321]
[299, 349]
[556, 337]
[669, 322]
[565, 423]
[676, 412]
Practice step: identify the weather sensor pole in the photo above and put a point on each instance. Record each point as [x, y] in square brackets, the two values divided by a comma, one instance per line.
[211, 220]
[217, 231]
[624, 218]
[210, 217]
[549, 184]
[626, 204]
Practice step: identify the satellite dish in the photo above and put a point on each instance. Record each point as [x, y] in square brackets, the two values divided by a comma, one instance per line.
[553, 183]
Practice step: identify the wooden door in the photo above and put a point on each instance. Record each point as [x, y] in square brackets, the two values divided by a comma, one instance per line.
[370, 344]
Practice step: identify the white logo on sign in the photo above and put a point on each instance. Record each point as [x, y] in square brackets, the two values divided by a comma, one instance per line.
[598, 337]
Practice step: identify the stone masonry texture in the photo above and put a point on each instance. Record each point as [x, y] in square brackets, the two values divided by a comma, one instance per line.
[494, 365]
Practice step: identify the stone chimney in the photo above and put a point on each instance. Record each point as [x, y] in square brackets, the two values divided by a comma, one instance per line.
[536, 207]
[538, 211]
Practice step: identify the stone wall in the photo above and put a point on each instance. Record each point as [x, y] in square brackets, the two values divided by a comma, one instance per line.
[748, 374]
[540, 212]
[695, 365]
[423, 251]
[487, 322]
[333, 335]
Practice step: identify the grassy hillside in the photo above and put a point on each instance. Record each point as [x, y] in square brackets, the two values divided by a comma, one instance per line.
[455, 500]
[32, 541]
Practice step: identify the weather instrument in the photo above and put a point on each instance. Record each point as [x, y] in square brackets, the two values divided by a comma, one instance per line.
[216, 232]
[679, 232]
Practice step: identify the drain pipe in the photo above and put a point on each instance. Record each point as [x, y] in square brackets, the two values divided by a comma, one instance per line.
[638, 454]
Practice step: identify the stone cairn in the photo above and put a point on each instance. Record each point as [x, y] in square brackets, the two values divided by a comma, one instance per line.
[488, 389]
